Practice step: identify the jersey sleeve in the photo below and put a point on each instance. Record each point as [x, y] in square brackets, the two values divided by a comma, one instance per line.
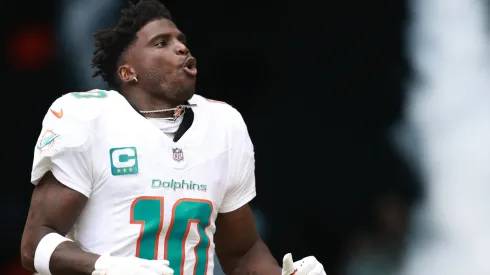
[63, 147]
[241, 188]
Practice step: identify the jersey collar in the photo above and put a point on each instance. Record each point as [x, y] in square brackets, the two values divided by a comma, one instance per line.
[183, 127]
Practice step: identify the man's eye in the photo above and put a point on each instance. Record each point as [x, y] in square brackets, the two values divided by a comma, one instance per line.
[161, 44]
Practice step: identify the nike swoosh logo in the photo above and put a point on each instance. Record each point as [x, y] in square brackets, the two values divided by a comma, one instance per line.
[57, 114]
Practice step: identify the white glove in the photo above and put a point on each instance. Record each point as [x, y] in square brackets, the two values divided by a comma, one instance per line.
[308, 266]
[107, 265]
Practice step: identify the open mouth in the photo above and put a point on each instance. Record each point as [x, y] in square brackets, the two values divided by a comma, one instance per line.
[190, 66]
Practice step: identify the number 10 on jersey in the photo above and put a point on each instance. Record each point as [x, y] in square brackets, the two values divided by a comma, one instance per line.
[148, 212]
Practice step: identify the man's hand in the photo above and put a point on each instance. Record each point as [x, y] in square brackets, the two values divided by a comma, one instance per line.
[306, 266]
[107, 265]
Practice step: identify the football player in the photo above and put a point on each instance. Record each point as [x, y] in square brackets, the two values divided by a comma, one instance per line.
[147, 178]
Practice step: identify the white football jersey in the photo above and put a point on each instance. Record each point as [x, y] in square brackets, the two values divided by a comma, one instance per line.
[149, 196]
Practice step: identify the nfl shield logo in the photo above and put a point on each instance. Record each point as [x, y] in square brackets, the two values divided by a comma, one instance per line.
[178, 155]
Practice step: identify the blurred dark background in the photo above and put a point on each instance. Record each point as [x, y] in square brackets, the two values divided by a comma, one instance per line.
[320, 84]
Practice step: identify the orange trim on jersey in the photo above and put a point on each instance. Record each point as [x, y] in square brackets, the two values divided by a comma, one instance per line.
[187, 230]
[142, 223]
[190, 221]
[216, 101]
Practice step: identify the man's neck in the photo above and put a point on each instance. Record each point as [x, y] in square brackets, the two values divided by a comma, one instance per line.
[144, 101]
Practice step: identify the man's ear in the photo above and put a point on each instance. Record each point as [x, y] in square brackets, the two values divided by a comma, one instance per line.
[126, 73]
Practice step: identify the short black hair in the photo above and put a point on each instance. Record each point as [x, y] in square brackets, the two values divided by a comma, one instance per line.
[111, 43]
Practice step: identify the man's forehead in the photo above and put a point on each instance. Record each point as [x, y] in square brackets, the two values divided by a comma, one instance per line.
[156, 27]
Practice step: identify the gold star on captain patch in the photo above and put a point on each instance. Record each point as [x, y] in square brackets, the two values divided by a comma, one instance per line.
[124, 170]
[130, 169]
[119, 170]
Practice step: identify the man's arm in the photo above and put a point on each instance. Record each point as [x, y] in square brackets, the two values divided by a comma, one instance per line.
[239, 247]
[54, 209]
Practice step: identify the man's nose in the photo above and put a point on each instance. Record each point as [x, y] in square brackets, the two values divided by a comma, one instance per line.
[181, 49]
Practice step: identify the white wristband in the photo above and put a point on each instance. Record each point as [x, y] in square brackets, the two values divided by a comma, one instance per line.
[45, 249]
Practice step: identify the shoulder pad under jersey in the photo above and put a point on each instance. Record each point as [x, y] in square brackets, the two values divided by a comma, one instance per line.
[82, 105]
[71, 116]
